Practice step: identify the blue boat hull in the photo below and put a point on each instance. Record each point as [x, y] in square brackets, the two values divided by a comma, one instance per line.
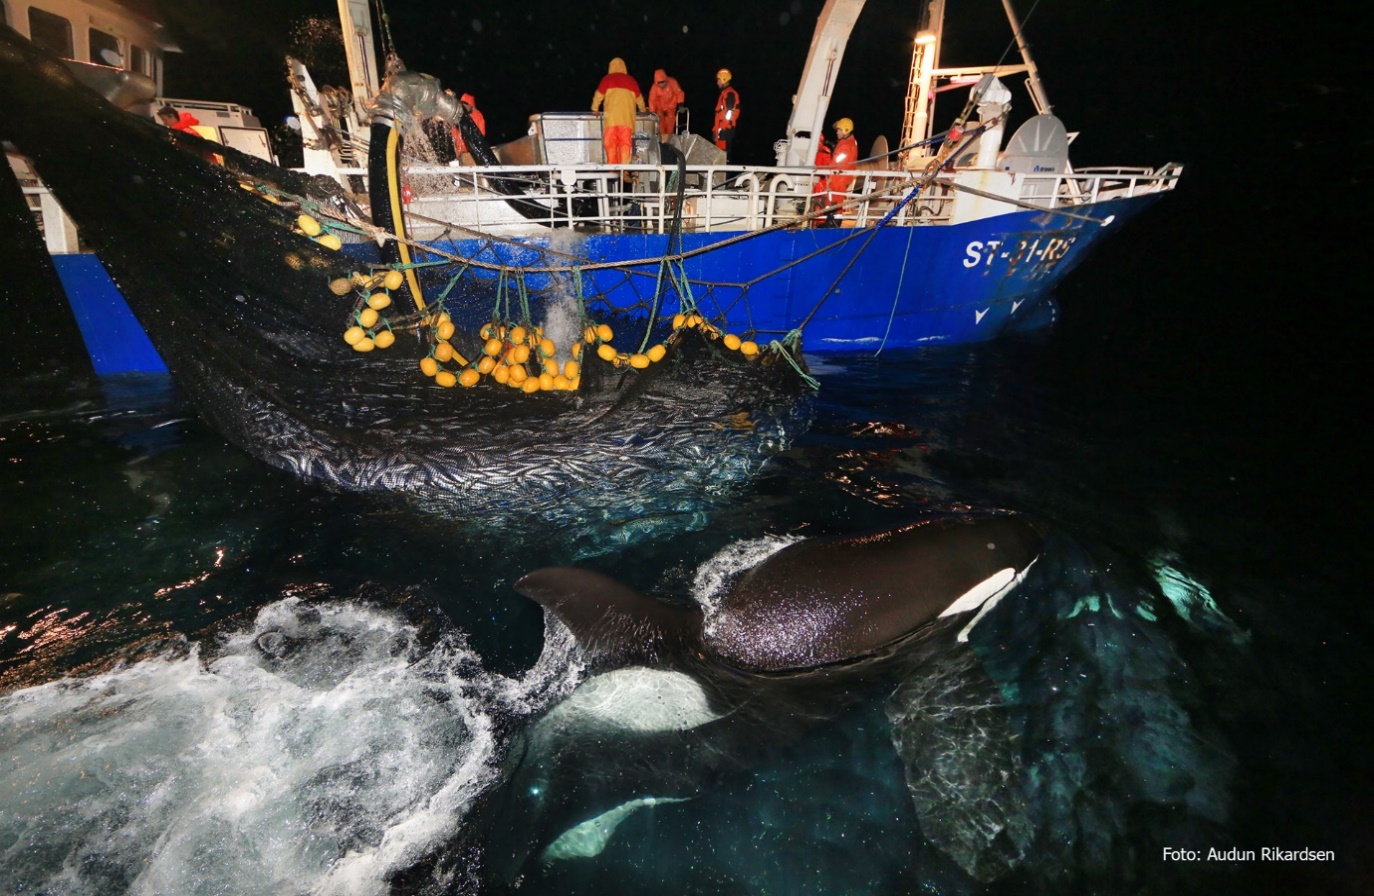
[114, 338]
[846, 290]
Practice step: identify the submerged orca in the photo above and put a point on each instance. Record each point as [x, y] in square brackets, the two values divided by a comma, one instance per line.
[678, 695]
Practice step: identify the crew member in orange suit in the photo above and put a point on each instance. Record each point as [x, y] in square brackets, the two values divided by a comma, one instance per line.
[727, 112]
[664, 97]
[844, 156]
[622, 98]
[469, 104]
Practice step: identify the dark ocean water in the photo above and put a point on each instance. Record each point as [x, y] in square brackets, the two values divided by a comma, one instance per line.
[1185, 670]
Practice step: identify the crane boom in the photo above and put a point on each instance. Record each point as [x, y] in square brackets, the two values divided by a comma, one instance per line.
[812, 100]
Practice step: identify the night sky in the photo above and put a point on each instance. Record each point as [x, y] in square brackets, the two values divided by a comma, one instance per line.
[539, 55]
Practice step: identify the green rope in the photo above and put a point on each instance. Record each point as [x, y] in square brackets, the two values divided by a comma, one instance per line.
[524, 299]
[684, 289]
[657, 303]
[781, 349]
[500, 296]
[579, 288]
[451, 283]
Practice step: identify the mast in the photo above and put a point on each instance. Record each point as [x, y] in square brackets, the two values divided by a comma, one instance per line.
[925, 57]
[1037, 91]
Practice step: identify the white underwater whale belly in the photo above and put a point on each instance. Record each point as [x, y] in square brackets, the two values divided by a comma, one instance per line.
[637, 698]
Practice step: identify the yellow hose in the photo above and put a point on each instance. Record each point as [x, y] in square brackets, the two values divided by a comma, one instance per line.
[393, 142]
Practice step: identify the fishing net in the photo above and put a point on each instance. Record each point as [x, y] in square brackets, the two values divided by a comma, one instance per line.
[250, 307]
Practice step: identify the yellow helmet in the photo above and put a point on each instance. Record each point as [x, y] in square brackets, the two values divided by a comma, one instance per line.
[723, 75]
[844, 126]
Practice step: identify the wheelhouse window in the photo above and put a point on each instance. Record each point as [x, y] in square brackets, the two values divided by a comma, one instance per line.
[105, 49]
[138, 60]
[51, 32]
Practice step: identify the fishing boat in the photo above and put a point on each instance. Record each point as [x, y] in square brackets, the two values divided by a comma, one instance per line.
[956, 236]
[117, 47]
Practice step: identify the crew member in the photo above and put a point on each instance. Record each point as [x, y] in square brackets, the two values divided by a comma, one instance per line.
[621, 95]
[664, 97]
[845, 157]
[727, 112]
[177, 121]
[186, 123]
[469, 104]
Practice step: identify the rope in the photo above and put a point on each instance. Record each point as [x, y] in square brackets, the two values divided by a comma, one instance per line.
[782, 349]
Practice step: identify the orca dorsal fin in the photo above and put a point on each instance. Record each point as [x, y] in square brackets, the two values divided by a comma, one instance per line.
[611, 621]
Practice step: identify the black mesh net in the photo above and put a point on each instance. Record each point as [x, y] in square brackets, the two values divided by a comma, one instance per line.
[238, 302]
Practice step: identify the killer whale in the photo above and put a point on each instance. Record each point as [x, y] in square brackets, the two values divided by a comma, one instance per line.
[678, 696]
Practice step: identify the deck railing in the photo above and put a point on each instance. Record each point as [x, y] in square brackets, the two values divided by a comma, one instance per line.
[716, 199]
[728, 198]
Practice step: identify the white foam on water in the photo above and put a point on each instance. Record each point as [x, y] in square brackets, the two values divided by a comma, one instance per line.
[344, 751]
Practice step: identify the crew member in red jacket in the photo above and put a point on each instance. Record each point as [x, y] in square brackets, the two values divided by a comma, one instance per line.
[185, 123]
[727, 112]
[664, 98]
[621, 95]
[177, 121]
